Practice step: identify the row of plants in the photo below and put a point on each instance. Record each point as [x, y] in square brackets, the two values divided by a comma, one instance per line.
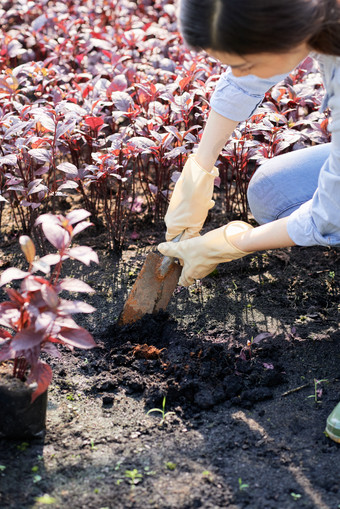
[101, 102]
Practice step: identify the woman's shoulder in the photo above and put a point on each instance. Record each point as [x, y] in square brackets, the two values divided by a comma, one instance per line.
[326, 61]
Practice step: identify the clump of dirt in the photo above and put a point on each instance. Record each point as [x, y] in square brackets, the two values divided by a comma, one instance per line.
[193, 372]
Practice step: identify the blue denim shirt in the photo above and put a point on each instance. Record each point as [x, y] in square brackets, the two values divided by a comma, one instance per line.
[318, 220]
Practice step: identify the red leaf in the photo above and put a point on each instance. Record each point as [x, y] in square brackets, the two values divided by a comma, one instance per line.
[4, 334]
[94, 122]
[55, 234]
[12, 273]
[42, 375]
[184, 82]
[80, 338]
[77, 215]
[75, 306]
[49, 296]
[84, 254]
[15, 296]
[26, 340]
[262, 336]
[75, 285]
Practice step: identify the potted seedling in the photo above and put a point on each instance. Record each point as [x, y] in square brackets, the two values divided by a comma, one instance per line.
[35, 320]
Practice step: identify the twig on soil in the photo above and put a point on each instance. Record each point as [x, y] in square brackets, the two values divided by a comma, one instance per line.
[295, 390]
[291, 391]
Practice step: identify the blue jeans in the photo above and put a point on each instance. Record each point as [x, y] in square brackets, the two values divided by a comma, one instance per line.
[283, 183]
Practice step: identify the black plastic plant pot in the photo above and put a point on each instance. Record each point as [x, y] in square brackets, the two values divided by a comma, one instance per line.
[19, 417]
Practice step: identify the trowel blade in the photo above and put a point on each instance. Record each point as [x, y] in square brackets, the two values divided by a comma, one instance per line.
[152, 291]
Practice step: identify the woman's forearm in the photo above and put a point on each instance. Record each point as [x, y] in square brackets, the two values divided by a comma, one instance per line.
[267, 236]
[217, 131]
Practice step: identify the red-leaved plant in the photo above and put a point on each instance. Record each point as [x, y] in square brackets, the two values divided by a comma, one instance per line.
[36, 316]
[108, 104]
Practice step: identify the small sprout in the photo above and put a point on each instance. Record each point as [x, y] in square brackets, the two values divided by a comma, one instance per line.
[23, 446]
[241, 485]
[134, 477]
[207, 475]
[37, 478]
[46, 499]
[2, 468]
[117, 466]
[331, 274]
[295, 496]
[317, 390]
[162, 411]
[147, 471]
[170, 465]
[96, 490]
[70, 397]
[35, 468]
[93, 448]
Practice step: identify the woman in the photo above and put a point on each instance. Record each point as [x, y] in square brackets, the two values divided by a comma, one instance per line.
[294, 197]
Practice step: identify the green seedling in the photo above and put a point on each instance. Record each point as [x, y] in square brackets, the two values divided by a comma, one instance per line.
[295, 496]
[317, 390]
[46, 499]
[93, 448]
[70, 397]
[134, 477]
[96, 491]
[170, 465]
[35, 468]
[23, 446]
[162, 411]
[37, 478]
[117, 465]
[241, 485]
[2, 468]
[206, 474]
[147, 471]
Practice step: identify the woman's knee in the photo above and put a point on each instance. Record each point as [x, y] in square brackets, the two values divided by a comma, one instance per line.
[262, 197]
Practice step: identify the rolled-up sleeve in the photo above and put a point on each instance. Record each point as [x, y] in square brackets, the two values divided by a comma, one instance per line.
[238, 98]
[318, 220]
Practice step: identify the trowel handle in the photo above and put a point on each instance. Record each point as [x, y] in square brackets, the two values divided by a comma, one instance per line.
[167, 260]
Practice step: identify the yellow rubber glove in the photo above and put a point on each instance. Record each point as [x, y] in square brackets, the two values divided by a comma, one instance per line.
[202, 254]
[190, 200]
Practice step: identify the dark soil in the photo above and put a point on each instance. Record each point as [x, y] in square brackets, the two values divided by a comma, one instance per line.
[235, 358]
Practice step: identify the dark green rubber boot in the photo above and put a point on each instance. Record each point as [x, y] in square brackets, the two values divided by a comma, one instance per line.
[333, 424]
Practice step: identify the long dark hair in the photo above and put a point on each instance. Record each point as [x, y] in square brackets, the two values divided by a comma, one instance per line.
[259, 26]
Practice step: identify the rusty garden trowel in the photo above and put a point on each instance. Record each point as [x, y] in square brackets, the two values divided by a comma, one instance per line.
[153, 287]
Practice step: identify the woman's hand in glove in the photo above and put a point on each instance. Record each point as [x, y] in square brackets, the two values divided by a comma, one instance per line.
[201, 255]
[190, 200]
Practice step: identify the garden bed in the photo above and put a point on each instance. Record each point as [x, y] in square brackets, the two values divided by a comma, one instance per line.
[245, 431]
